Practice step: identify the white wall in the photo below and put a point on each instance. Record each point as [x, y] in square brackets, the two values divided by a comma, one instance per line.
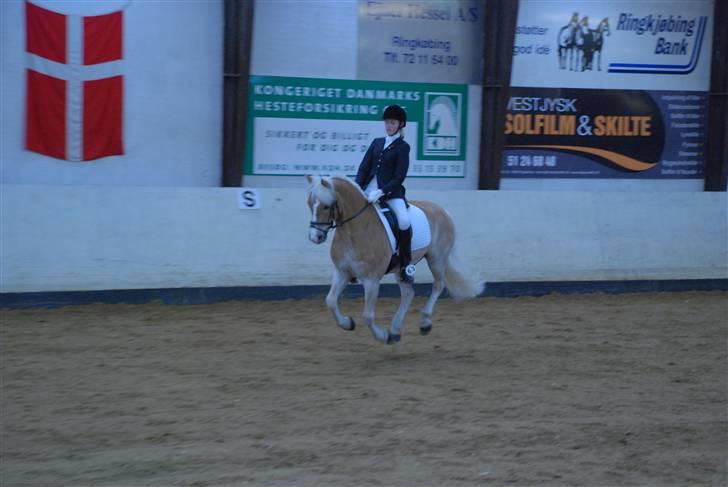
[300, 39]
[57, 238]
[173, 56]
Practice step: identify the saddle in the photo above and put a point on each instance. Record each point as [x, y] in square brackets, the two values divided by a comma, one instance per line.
[420, 230]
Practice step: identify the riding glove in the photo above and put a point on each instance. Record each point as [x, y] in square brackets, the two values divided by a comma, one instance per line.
[374, 195]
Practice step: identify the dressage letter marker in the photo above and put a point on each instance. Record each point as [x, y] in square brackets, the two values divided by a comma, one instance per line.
[249, 199]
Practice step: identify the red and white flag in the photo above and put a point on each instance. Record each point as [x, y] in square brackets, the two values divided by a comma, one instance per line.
[75, 85]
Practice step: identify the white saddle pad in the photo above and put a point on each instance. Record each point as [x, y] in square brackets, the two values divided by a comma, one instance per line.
[421, 235]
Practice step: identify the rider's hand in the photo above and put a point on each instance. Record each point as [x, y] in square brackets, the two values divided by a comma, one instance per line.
[374, 195]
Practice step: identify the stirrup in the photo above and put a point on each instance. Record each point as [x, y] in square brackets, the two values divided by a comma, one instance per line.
[408, 273]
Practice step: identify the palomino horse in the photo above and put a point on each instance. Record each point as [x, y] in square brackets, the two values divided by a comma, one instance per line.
[361, 250]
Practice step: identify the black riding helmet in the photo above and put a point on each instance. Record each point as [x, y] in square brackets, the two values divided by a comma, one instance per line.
[395, 112]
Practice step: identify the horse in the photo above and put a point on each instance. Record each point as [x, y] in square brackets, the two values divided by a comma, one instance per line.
[585, 44]
[567, 43]
[361, 251]
[598, 37]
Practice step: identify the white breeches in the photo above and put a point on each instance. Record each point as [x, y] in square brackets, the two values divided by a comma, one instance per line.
[400, 209]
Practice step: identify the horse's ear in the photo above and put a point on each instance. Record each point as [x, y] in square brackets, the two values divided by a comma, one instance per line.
[309, 179]
[326, 184]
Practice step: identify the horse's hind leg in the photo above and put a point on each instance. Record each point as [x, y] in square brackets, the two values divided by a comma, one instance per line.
[332, 301]
[371, 293]
[407, 292]
[438, 273]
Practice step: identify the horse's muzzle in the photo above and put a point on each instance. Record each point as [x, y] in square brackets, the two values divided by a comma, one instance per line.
[317, 236]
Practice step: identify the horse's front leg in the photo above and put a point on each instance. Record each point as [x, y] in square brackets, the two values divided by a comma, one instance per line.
[371, 293]
[332, 301]
[407, 293]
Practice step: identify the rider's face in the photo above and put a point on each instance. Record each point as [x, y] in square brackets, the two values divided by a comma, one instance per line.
[391, 126]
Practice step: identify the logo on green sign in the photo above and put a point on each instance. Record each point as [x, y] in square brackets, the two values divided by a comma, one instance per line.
[443, 113]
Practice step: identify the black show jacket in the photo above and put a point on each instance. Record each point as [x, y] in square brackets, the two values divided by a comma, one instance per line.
[389, 166]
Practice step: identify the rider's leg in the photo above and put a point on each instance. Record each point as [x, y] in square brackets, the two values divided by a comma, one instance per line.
[399, 207]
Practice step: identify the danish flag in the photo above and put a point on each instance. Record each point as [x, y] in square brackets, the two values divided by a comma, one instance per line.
[74, 90]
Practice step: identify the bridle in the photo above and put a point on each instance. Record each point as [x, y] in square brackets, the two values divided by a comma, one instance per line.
[333, 219]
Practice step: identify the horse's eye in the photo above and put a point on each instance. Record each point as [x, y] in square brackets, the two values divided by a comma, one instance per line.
[325, 207]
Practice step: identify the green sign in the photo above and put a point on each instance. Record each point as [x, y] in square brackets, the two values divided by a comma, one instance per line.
[304, 125]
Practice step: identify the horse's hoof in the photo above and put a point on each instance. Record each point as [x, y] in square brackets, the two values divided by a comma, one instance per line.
[392, 338]
[425, 324]
[351, 327]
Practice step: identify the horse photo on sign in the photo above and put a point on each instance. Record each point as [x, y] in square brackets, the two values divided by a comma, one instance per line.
[579, 45]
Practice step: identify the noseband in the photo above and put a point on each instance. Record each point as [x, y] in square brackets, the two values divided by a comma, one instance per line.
[332, 221]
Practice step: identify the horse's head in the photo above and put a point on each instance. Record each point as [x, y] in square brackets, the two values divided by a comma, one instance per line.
[322, 203]
[333, 201]
[604, 26]
[441, 116]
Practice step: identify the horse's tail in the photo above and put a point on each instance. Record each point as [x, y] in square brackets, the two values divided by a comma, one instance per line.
[459, 283]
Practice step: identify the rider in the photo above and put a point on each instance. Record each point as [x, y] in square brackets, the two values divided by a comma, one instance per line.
[381, 174]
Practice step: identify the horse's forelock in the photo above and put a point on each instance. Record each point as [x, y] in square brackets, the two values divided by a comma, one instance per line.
[321, 193]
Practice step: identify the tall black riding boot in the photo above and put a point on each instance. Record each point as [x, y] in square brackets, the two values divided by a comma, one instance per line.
[407, 273]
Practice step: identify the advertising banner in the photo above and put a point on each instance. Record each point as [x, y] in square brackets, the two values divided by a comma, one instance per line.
[614, 44]
[566, 133]
[309, 125]
[408, 40]
[613, 89]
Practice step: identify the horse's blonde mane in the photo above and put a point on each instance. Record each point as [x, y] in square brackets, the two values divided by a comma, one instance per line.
[345, 180]
[319, 192]
[327, 195]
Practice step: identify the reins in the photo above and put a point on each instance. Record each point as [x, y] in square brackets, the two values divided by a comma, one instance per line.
[332, 223]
